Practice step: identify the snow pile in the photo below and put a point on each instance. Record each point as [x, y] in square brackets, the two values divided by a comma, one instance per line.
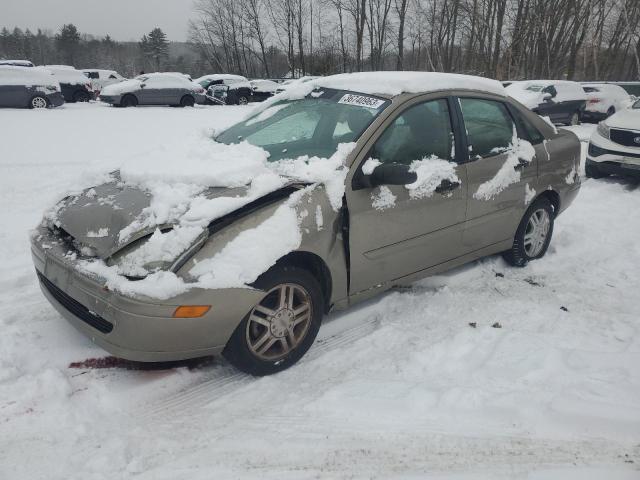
[529, 194]
[370, 165]
[179, 196]
[518, 151]
[431, 172]
[383, 198]
[267, 113]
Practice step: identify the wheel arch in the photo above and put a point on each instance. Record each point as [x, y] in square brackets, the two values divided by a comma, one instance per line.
[554, 199]
[315, 265]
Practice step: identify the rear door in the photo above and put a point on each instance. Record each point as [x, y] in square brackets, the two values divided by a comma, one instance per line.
[398, 230]
[501, 171]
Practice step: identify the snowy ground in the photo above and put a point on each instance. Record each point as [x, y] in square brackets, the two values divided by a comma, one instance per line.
[401, 387]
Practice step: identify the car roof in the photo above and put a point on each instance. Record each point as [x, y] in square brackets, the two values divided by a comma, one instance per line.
[390, 84]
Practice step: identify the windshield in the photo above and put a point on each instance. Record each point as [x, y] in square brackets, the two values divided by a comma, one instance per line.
[312, 126]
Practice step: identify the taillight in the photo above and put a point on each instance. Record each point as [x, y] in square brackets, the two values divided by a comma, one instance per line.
[594, 100]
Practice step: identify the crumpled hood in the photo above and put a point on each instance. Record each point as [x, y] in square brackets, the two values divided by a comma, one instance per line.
[95, 217]
[628, 119]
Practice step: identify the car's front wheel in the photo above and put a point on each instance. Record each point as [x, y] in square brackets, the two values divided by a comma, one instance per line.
[81, 97]
[187, 101]
[129, 101]
[243, 100]
[533, 235]
[279, 330]
[38, 102]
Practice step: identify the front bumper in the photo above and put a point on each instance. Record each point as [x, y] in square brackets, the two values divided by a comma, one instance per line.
[139, 329]
[55, 99]
[612, 158]
[594, 116]
[112, 99]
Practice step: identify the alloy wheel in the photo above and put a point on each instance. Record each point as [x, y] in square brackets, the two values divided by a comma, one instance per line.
[38, 102]
[536, 233]
[243, 101]
[280, 322]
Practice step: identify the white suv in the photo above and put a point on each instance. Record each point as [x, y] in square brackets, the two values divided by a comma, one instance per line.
[614, 147]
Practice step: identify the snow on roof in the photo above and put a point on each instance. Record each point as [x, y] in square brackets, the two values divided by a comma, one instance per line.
[395, 83]
[66, 74]
[221, 76]
[17, 63]
[12, 75]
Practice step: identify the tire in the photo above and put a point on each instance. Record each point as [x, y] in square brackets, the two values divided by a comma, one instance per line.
[81, 97]
[591, 171]
[530, 243]
[575, 118]
[129, 101]
[242, 100]
[38, 102]
[187, 101]
[257, 344]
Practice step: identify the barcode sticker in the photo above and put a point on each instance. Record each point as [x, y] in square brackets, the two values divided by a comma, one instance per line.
[361, 101]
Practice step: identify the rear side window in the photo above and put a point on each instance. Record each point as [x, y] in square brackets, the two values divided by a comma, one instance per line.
[93, 75]
[421, 131]
[489, 126]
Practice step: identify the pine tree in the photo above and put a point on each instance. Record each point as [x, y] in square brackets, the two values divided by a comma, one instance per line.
[68, 41]
[155, 46]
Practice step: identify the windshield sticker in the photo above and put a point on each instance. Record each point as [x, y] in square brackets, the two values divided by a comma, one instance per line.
[361, 101]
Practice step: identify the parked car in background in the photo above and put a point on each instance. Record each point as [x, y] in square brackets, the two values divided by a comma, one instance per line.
[614, 148]
[102, 78]
[294, 81]
[27, 87]
[603, 100]
[425, 188]
[16, 63]
[180, 74]
[632, 88]
[154, 89]
[263, 89]
[238, 91]
[75, 85]
[562, 101]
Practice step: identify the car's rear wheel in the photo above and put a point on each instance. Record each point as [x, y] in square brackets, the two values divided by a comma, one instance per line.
[533, 235]
[187, 101]
[592, 171]
[279, 330]
[129, 101]
[243, 100]
[81, 97]
[575, 119]
[38, 102]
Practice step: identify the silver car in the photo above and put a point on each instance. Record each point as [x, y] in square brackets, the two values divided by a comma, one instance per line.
[154, 89]
[491, 177]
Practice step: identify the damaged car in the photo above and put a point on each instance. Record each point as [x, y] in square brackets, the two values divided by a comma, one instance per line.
[326, 195]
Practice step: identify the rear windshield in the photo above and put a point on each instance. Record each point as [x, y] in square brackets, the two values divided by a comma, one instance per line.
[313, 126]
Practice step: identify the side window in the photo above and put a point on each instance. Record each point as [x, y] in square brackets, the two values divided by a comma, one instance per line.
[531, 132]
[421, 131]
[489, 126]
[93, 75]
[112, 77]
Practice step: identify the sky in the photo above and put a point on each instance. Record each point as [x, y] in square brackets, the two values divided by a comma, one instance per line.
[122, 19]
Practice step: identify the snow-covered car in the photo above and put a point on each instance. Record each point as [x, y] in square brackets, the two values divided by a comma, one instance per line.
[17, 63]
[614, 148]
[27, 87]
[263, 89]
[238, 90]
[603, 100]
[562, 101]
[154, 89]
[326, 195]
[102, 78]
[293, 82]
[76, 87]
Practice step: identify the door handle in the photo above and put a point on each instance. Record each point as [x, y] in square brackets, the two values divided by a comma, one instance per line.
[447, 186]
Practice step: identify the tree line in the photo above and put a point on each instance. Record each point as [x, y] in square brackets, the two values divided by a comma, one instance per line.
[504, 39]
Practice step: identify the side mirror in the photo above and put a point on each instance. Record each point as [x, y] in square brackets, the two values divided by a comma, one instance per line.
[392, 174]
[142, 85]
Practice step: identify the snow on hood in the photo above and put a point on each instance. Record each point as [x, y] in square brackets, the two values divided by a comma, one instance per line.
[529, 98]
[629, 118]
[168, 204]
[121, 87]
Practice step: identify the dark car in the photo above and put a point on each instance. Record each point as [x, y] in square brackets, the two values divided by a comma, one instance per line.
[239, 91]
[263, 89]
[75, 86]
[562, 101]
[28, 87]
[154, 89]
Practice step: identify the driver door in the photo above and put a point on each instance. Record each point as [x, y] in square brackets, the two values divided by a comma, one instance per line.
[395, 231]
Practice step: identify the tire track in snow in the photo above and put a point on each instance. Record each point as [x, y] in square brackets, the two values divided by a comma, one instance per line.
[225, 379]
